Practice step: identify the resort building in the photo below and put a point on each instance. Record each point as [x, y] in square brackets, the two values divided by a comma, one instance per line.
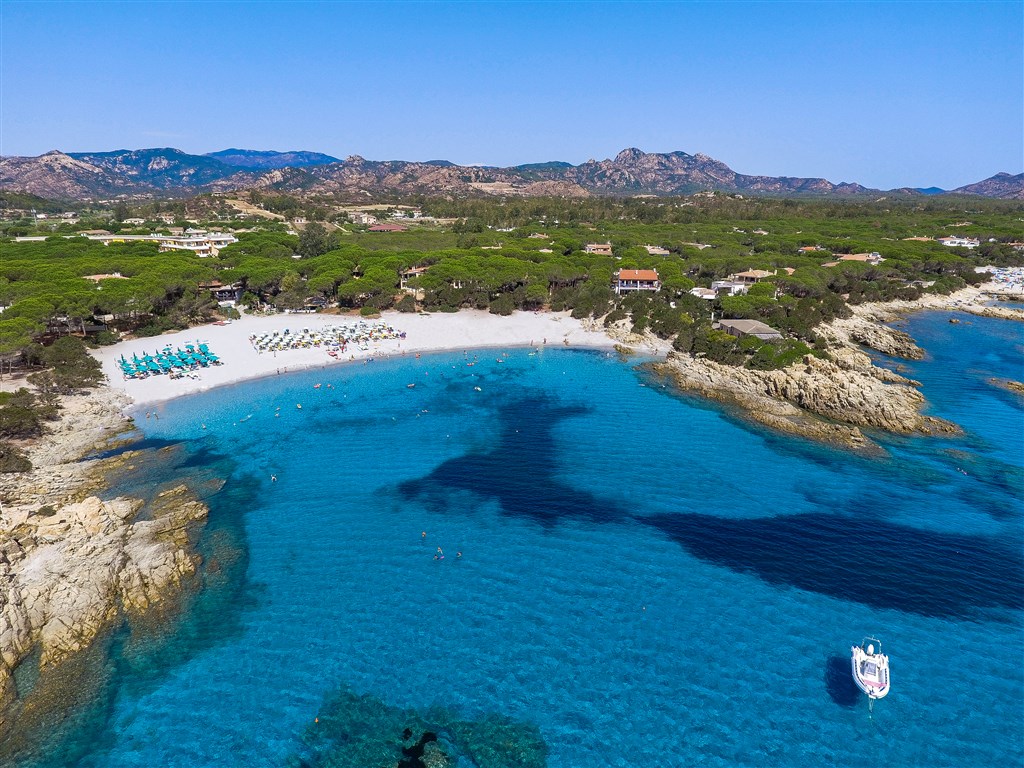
[198, 241]
[628, 280]
[599, 249]
[741, 328]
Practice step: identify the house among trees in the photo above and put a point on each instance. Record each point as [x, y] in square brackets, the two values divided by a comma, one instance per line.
[750, 276]
[741, 328]
[655, 250]
[599, 249]
[870, 258]
[408, 274]
[226, 295]
[960, 242]
[359, 217]
[731, 287]
[628, 280]
[386, 228]
[708, 294]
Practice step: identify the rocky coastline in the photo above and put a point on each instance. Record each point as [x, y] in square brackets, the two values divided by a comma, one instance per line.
[72, 565]
[833, 398]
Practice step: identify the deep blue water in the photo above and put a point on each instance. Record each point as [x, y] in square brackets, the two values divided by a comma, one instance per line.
[644, 579]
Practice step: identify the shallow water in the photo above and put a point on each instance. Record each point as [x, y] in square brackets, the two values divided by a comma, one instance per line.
[644, 579]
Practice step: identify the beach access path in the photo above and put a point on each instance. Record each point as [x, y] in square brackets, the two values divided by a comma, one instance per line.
[435, 332]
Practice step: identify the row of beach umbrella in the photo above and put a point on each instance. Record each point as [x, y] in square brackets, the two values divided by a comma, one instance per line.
[168, 361]
[341, 336]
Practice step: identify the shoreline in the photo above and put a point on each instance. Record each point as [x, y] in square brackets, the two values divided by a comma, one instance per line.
[50, 557]
[73, 565]
[425, 333]
[832, 399]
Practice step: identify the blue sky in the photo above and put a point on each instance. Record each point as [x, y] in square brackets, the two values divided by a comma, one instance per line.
[885, 94]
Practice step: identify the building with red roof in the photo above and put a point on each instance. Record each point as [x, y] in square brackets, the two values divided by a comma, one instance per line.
[627, 280]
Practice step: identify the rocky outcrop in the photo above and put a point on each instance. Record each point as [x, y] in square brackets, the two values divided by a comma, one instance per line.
[880, 338]
[994, 310]
[70, 573]
[71, 564]
[827, 399]
[1009, 385]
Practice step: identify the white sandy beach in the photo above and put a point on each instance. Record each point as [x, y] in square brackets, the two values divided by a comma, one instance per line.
[468, 329]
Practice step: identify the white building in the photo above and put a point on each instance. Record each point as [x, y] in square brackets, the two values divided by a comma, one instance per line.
[358, 217]
[731, 287]
[199, 242]
[960, 242]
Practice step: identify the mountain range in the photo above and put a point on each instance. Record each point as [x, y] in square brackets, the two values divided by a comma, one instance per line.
[171, 172]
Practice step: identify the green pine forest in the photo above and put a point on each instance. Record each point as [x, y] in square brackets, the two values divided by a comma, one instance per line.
[484, 257]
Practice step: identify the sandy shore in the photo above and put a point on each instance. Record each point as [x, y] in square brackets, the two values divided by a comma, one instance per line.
[468, 329]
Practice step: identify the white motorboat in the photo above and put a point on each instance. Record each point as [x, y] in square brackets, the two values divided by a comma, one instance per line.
[870, 668]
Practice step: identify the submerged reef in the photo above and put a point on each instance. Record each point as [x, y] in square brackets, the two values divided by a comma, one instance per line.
[353, 731]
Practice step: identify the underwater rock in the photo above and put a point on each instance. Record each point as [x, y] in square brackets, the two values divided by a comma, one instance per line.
[352, 731]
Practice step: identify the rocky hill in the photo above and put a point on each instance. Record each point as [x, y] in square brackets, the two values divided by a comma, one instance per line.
[269, 160]
[1002, 185]
[168, 171]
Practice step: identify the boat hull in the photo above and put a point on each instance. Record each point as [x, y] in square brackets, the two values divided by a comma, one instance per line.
[870, 672]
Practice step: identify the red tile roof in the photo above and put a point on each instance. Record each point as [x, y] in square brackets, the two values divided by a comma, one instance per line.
[637, 274]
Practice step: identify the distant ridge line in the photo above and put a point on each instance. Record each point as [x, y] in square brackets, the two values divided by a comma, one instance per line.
[171, 172]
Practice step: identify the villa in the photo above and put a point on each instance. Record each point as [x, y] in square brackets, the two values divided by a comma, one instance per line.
[599, 249]
[751, 276]
[731, 287]
[628, 280]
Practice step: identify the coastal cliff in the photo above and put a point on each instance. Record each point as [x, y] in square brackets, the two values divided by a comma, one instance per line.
[73, 565]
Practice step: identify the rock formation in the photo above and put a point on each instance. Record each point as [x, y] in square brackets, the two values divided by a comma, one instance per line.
[823, 398]
[71, 564]
[69, 575]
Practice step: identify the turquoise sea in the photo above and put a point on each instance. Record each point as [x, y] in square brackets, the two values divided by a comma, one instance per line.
[644, 579]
